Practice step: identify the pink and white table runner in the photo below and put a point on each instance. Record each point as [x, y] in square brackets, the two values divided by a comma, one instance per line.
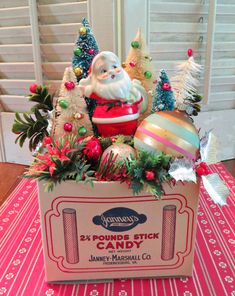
[22, 270]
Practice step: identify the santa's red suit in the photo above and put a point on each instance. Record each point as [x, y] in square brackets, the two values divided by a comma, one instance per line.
[115, 117]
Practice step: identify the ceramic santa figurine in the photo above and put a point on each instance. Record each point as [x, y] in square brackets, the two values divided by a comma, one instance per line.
[119, 99]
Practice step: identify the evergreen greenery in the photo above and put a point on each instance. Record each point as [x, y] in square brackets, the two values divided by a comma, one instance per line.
[34, 125]
[61, 161]
[145, 161]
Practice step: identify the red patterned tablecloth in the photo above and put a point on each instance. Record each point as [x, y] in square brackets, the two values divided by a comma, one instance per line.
[22, 270]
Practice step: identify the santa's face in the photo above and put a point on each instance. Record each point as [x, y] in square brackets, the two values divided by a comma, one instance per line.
[107, 79]
[108, 70]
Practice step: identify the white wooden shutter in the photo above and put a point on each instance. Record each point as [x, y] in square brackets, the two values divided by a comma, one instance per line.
[16, 70]
[58, 23]
[173, 26]
[16, 64]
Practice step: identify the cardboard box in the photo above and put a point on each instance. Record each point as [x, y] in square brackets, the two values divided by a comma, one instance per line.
[105, 232]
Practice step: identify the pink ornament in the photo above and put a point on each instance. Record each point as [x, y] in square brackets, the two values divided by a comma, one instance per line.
[69, 85]
[33, 88]
[190, 52]
[91, 50]
[68, 127]
[166, 86]
[132, 64]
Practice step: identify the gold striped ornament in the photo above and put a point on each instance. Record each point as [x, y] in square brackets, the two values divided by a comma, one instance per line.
[171, 132]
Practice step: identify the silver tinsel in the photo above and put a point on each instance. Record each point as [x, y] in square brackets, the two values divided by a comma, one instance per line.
[216, 188]
[182, 170]
[209, 148]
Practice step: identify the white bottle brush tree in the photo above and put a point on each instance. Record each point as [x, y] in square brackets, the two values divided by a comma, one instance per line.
[185, 84]
[71, 110]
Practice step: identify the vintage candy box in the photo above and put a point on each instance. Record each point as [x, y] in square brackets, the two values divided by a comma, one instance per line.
[104, 232]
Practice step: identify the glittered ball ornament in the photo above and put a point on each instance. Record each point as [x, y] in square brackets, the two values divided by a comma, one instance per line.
[132, 64]
[63, 104]
[135, 44]
[68, 127]
[171, 132]
[147, 74]
[82, 31]
[91, 51]
[77, 51]
[78, 116]
[69, 85]
[82, 131]
[78, 71]
[121, 151]
[166, 86]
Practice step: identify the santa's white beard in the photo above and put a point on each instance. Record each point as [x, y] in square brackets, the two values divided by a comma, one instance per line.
[113, 90]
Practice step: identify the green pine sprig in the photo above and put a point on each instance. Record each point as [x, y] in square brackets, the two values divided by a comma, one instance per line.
[34, 128]
[75, 168]
[43, 99]
[145, 161]
[34, 125]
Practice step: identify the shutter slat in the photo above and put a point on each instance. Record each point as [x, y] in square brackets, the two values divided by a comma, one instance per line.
[183, 46]
[172, 27]
[190, 8]
[17, 70]
[16, 103]
[223, 96]
[61, 33]
[17, 34]
[15, 3]
[55, 70]
[15, 86]
[57, 52]
[62, 13]
[16, 16]
[180, 8]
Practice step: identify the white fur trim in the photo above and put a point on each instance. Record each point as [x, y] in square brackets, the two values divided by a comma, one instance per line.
[124, 118]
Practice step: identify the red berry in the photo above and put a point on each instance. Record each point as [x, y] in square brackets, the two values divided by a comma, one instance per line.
[207, 171]
[47, 141]
[69, 85]
[200, 171]
[190, 52]
[93, 149]
[203, 165]
[149, 175]
[33, 88]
